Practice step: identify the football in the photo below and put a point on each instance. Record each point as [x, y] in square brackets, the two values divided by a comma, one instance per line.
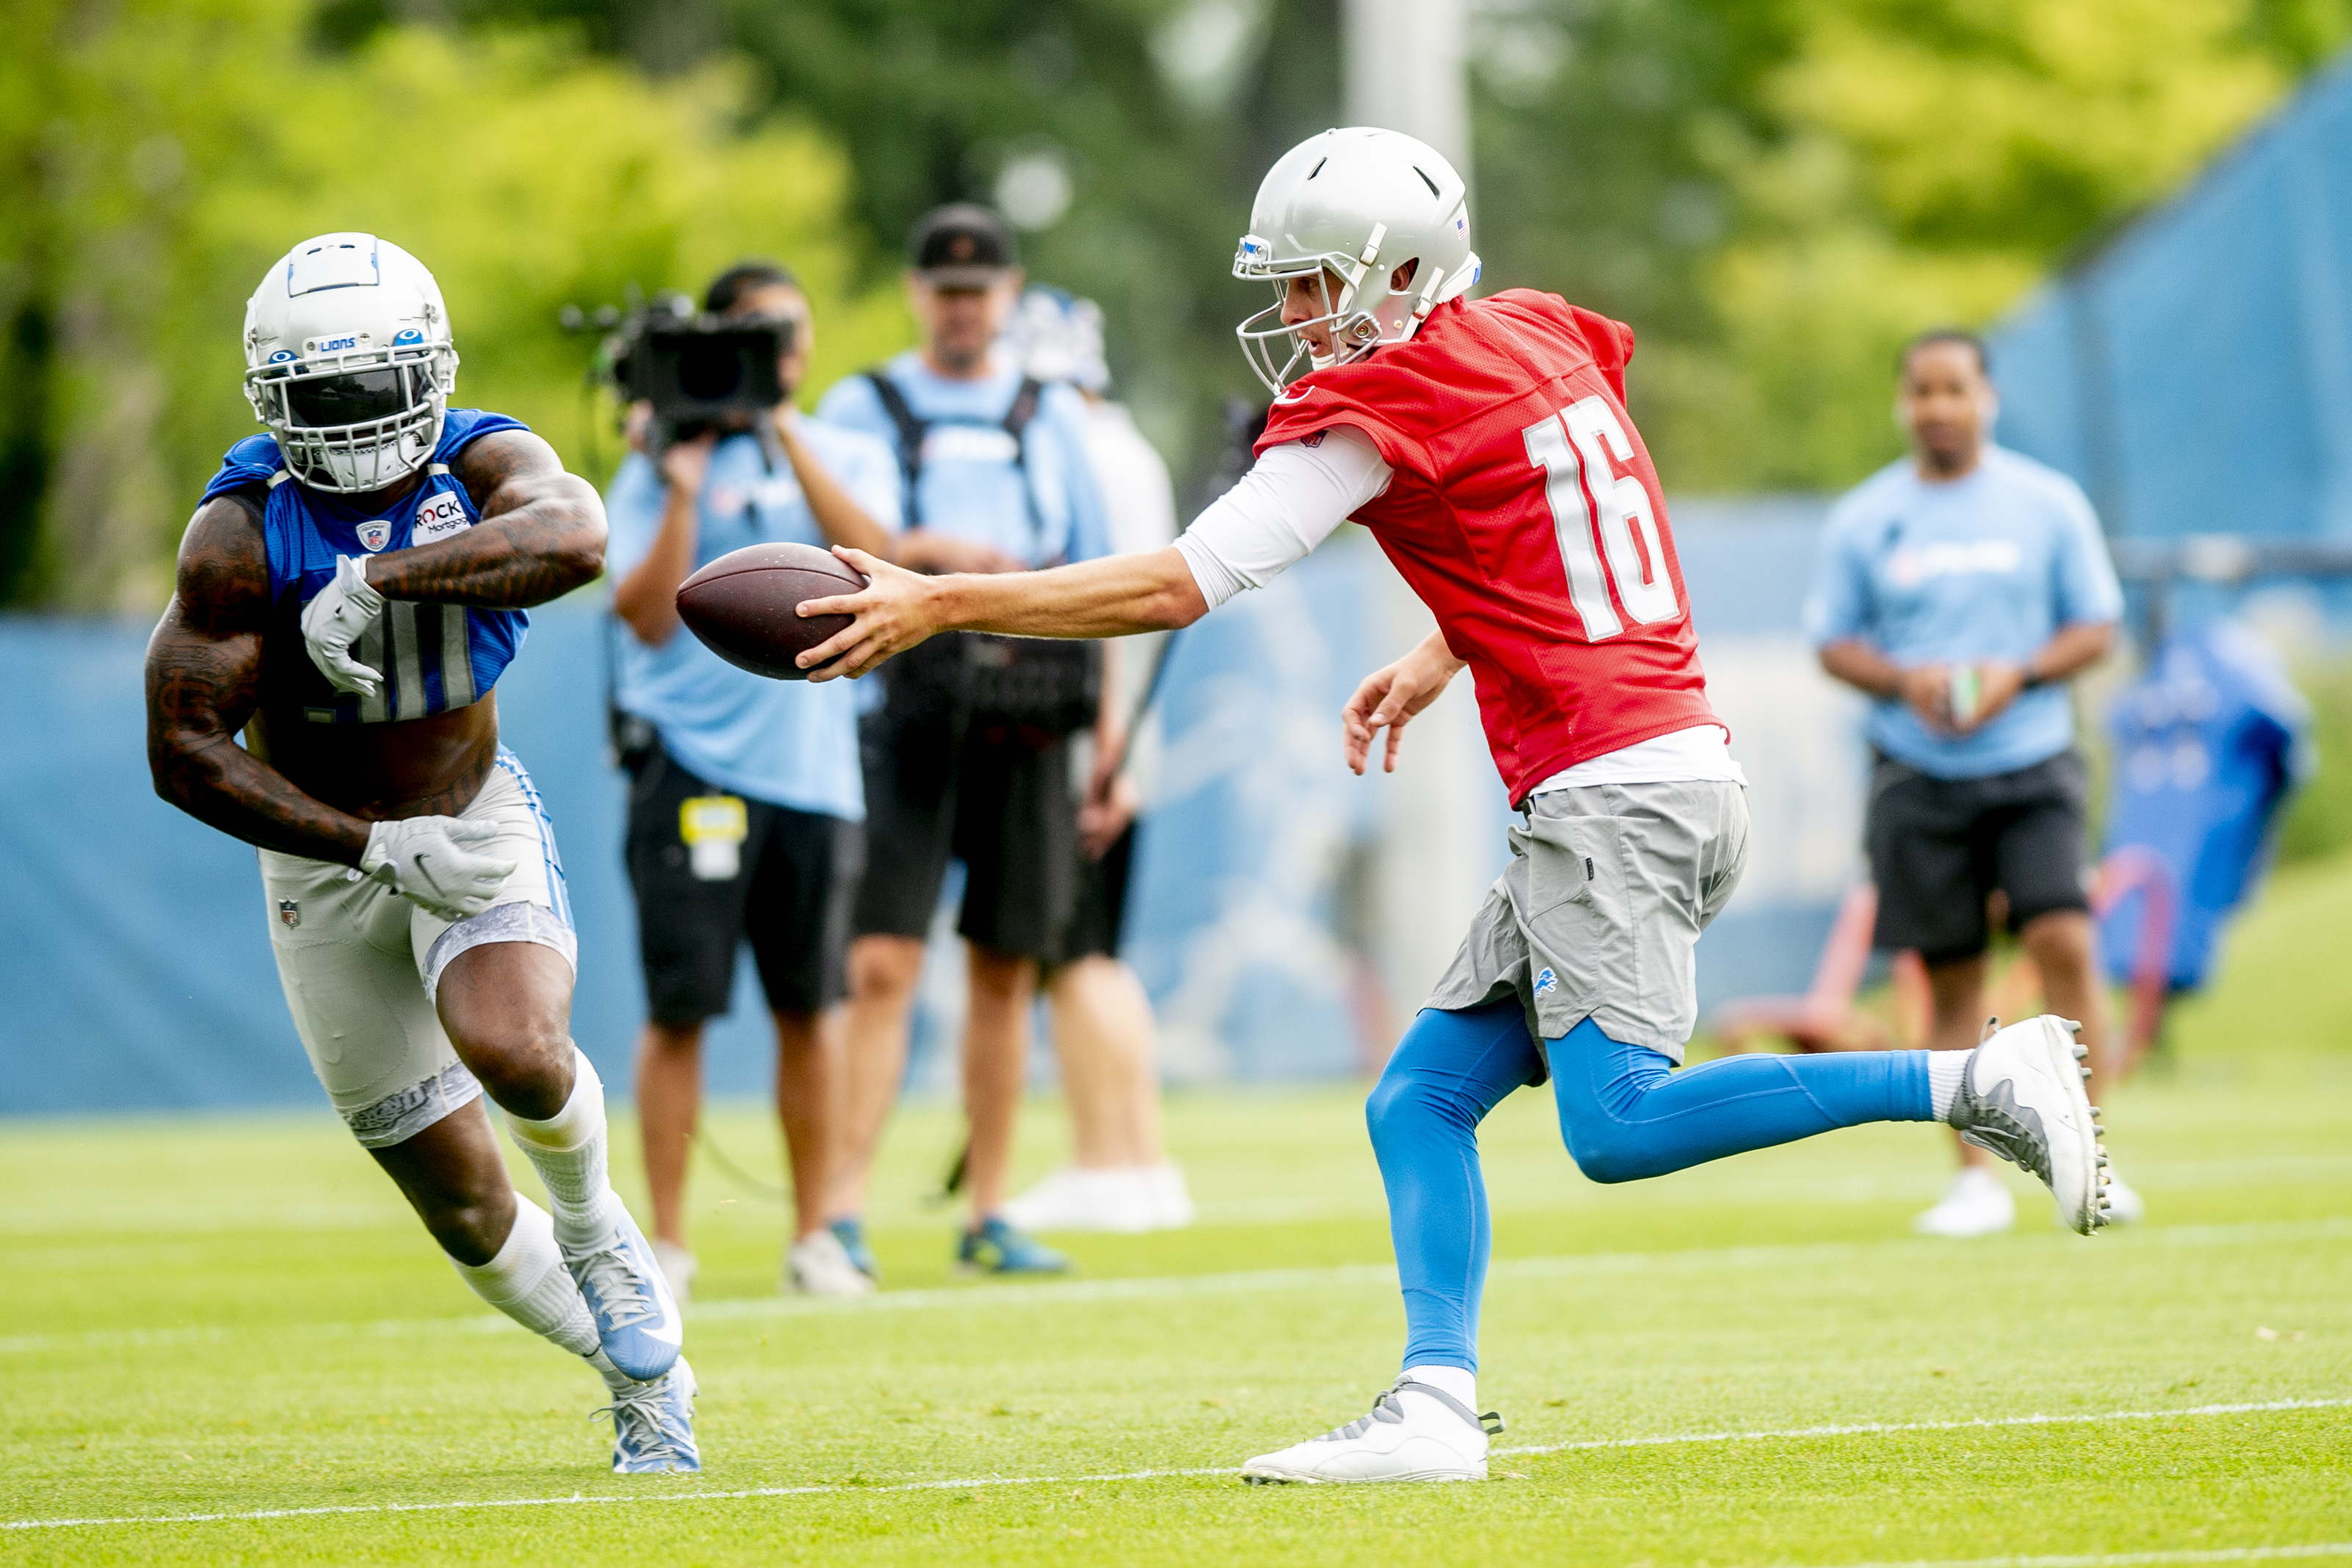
[742, 605]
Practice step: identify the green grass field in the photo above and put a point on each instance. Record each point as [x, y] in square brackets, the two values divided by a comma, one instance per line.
[1752, 1362]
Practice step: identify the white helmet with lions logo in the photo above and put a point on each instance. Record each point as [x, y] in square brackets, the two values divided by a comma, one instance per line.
[1355, 204]
[347, 361]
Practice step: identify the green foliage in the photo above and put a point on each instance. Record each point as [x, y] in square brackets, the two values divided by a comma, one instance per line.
[166, 157]
[1777, 194]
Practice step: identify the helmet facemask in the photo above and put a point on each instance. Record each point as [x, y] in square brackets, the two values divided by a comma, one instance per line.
[357, 420]
[1363, 312]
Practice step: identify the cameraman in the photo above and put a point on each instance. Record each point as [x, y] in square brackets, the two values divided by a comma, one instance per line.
[994, 475]
[746, 807]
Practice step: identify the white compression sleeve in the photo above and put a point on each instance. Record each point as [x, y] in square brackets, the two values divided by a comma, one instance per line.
[568, 1151]
[1289, 502]
[527, 1281]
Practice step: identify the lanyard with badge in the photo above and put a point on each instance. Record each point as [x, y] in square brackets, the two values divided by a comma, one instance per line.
[714, 828]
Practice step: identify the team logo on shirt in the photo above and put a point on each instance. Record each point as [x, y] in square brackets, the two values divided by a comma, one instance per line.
[438, 516]
[1547, 983]
[374, 535]
[1912, 565]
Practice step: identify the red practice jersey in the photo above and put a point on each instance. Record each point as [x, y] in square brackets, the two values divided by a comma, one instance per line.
[1525, 513]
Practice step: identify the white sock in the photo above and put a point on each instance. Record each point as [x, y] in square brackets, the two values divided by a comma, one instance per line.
[568, 1151]
[1462, 1385]
[616, 1382]
[1945, 1071]
[528, 1283]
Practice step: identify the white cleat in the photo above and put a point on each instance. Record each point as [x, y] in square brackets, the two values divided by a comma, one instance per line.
[678, 1267]
[818, 1265]
[2022, 1098]
[1976, 1204]
[1414, 1433]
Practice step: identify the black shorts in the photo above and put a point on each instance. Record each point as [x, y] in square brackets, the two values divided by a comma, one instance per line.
[1102, 903]
[1938, 848]
[794, 876]
[997, 800]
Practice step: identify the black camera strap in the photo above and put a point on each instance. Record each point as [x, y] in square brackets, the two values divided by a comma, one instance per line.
[913, 428]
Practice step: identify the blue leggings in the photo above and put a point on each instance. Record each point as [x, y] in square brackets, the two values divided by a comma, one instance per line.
[1624, 1111]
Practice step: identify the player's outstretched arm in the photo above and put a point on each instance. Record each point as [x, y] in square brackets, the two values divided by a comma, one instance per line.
[541, 533]
[203, 679]
[1113, 597]
[1391, 696]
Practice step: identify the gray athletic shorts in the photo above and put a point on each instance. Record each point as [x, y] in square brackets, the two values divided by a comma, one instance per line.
[1599, 913]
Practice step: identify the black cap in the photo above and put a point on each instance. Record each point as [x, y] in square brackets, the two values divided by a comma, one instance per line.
[961, 245]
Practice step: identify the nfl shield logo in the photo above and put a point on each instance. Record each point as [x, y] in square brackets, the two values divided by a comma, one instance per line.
[374, 537]
[289, 912]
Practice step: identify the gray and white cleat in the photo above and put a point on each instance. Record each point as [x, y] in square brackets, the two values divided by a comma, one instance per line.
[2022, 1098]
[652, 1425]
[1414, 1433]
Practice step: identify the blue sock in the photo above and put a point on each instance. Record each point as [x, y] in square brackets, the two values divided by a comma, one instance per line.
[1626, 1113]
[1448, 1072]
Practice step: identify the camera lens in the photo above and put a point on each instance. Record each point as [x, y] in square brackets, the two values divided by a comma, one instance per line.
[708, 369]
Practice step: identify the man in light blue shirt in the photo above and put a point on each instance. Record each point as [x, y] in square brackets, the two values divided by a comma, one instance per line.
[747, 801]
[1960, 589]
[969, 757]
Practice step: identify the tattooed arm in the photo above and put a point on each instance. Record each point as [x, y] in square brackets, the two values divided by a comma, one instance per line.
[203, 679]
[541, 533]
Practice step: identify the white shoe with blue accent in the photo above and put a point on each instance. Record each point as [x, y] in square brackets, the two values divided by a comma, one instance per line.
[637, 1319]
[1414, 1433]
[652, 1425]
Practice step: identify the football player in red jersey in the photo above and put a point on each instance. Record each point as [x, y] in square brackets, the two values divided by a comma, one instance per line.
[1486, 445]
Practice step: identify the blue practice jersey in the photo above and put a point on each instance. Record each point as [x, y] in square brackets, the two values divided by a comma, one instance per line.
[434, 657]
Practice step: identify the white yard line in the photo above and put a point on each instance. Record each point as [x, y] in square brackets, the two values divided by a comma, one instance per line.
[2128, 1559]
[1158, 1287]
[1859, 1429]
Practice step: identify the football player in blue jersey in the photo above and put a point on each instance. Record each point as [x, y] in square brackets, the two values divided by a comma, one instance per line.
[349, 589]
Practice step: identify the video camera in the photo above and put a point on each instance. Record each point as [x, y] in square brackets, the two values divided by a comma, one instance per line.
[697, 372]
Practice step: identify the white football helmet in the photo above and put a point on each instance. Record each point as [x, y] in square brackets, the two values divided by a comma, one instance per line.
[1357, 204]
[347, 361]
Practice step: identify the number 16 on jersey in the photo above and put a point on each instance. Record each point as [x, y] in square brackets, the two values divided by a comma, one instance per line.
[1582, 439]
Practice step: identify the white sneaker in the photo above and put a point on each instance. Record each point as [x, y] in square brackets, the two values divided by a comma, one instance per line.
[1171, 1200]
[2022, 1098]
[1415, 1433]
[2124, 1205]
[1075, 1198]
[1976, 1204]
[677, 1266]
[818, 1265]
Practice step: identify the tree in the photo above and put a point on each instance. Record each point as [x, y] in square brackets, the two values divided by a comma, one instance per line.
[168, 152]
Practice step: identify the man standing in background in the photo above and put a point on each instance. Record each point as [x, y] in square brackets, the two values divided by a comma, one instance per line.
[995, 475]
[1960, 589]
[1119, 1177]
[746, 804]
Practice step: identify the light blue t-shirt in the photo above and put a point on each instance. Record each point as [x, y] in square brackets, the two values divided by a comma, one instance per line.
[789, 743]
[1985, 567]
[971, 484]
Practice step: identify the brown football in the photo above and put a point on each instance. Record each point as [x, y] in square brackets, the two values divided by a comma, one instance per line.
[742, 605]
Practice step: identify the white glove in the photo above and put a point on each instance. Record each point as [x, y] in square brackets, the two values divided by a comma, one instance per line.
[334, 621]
[431, 862]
